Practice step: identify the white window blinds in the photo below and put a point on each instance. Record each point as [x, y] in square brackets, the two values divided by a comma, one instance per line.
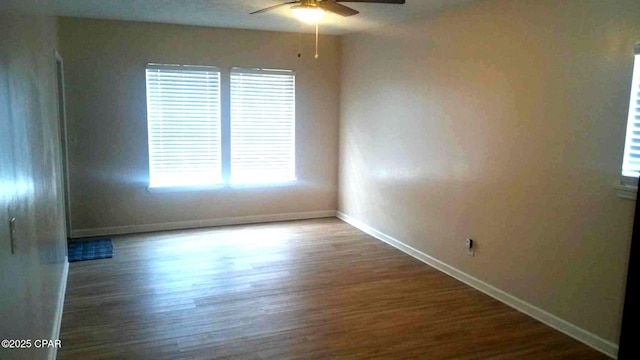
[262, 126]
[631, 163]
[183, 114]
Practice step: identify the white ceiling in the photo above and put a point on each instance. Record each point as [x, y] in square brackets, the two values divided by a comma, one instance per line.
[235, 13]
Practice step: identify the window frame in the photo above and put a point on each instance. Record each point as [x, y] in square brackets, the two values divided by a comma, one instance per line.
[178, 67]
[629, 184]
[225, 132]
[294, 177]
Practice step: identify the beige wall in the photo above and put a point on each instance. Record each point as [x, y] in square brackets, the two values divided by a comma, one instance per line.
[105, 63]
[503, 121]
[30, 186]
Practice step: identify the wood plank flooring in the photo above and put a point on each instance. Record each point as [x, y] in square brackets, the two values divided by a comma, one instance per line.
[291, 290]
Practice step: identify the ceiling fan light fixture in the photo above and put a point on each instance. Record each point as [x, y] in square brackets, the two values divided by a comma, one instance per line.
[308, 13]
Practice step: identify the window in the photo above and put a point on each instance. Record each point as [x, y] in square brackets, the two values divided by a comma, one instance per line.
[631, 162]
[192, 143]
[262, 126]
[183, 114]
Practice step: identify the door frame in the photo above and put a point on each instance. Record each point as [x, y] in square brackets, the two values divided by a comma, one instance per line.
[627, 348]
[62, 128]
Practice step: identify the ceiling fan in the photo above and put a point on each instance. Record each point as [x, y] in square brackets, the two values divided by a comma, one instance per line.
[313, 10]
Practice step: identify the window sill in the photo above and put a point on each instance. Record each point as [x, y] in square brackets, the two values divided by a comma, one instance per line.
[628, 192]
[262, 185]
[184, 188]
[221, 187]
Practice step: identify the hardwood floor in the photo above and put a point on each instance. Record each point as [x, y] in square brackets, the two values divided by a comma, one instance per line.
[303, 289]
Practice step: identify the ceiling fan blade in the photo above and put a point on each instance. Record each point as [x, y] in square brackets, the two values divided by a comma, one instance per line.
[375, 1]
[334, 7]
[273, 7]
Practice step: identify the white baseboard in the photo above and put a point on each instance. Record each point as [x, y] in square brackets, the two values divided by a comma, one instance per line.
[55, 332]
[607, 347]
[130, 229]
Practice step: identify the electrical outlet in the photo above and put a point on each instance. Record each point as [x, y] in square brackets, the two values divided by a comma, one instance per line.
[470, 247]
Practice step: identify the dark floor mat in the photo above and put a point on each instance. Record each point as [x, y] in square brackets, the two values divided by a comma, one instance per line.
[90, 249]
